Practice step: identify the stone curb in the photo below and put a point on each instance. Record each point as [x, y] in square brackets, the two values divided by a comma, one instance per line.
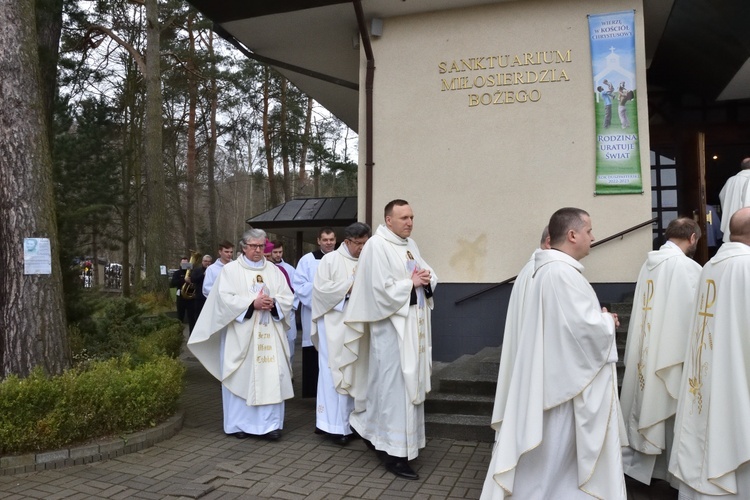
[91, 452]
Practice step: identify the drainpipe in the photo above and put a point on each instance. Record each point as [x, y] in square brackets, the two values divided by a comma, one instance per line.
[365, 35]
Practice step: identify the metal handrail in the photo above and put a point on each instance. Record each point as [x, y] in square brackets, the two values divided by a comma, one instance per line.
[595, 244]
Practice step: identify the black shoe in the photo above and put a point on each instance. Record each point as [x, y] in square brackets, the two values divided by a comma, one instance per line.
[320, 431]
[339, 439]
[402, 469]
[274, 435]
[240, 435]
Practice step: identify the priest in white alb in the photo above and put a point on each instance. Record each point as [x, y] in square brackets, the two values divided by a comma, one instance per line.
[391, 305]
[331, 290]
[711, 449]
[655, 350]
[559, 434]
[735, 194]
[240, 338]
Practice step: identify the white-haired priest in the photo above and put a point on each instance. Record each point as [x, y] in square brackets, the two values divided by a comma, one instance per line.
[241, 339]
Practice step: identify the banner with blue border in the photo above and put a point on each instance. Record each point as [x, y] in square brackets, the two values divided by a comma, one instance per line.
[618, 159]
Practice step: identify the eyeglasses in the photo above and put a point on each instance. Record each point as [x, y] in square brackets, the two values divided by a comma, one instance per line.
[356, 243]
[260, 246]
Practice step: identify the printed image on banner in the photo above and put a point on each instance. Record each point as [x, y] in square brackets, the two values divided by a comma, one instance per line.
[618, 161]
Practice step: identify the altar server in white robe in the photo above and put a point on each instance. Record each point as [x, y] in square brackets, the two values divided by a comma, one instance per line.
[655, 351]
[304, 275]
[711, 449]
[331, 289]
[734, 195]
[390, 306]
[240, 338]
[559, 436]
[226, 252]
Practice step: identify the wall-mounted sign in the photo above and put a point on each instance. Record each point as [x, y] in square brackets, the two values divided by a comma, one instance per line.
[618, 160]
[37, 256]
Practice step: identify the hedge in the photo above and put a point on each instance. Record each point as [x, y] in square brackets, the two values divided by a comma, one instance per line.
[102, 398]
[127, 378]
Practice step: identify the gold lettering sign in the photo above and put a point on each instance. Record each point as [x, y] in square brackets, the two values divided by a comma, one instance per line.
[522, 70]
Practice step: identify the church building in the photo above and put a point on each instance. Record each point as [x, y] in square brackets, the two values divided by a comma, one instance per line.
[487, 116]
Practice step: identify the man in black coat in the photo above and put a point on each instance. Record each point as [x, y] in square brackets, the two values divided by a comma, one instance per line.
[195, 306]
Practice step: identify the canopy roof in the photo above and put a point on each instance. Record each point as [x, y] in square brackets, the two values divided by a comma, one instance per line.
[699, 48]
[306, 216]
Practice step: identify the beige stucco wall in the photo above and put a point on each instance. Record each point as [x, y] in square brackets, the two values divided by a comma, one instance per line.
[483, 180]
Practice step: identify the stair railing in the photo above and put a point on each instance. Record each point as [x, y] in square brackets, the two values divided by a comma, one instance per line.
[593, 245]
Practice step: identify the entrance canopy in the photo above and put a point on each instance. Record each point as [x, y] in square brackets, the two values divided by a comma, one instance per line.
[696, 48]
[301, 219]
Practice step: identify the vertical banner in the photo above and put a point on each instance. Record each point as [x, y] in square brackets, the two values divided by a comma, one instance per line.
[618, 158]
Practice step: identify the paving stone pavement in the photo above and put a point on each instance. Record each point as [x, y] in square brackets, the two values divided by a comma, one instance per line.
[202, 462]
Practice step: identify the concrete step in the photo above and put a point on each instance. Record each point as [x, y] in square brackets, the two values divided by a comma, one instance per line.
[489, 361]
[459, 404]
[470, 374]
[459, 427]
[474, 384]
[462, 397]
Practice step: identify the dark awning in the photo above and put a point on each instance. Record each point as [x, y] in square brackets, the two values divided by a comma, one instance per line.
[306, 216]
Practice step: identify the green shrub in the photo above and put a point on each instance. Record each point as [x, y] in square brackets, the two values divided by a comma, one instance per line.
[126, 377]
[101, 399]
[22, 401]
[166, 341]
[118, 326]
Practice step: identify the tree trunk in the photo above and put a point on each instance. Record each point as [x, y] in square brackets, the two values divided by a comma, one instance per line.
[284, 139]
[156, 222]
[49, 20]
[305, 143]
[140, 201]
[32, 318]
[129, 166]
[190, 163]
[211, 160]
[267, 138]
[95, 254]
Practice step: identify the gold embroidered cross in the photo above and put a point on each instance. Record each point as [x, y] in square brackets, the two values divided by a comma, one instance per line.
[695, 382]
[645, 329]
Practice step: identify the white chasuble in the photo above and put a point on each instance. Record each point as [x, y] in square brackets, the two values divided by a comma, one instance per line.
[252, 361]
[511, 337]
[712, 436]
[389, 399]
[655, 351]
[559, 436]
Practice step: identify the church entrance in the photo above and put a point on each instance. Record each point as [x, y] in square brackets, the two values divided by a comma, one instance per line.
[689, 166]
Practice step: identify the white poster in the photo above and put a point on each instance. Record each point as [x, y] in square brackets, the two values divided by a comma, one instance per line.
[37, 256]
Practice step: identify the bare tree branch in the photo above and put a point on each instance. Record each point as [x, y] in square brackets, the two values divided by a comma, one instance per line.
[102, 30]
[182, 63]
